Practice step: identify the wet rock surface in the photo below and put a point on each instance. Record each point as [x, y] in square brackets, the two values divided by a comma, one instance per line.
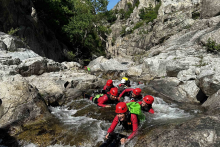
[202, 131]
[170, 60]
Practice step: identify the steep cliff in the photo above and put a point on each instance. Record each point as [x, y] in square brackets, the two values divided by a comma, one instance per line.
[135, 36]
[21, 15]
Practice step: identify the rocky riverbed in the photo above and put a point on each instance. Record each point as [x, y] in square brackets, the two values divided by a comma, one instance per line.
[42, 102]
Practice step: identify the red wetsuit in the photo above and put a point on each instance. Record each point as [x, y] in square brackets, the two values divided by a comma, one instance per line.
[105, 99]
[151, 109]
[128, 92]
[105, 88]
[134, 123]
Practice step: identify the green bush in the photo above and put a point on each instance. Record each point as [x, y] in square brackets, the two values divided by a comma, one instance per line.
[195, 15]
[138, 25]
[122, 13]
[113, 41]
[70, 55]
[123, 32]
[126, 15]
[150, 13]
[212, 46]
[13, 31]
[80, 25]
[110, 16]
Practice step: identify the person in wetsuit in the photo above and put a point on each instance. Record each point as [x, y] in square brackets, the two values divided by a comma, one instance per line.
[127, 120]
[146, 104]
[102, 100]
[134, 94]
[125, 83]
[106, 89]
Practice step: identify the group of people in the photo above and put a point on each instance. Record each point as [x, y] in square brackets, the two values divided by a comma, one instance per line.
[129, 120]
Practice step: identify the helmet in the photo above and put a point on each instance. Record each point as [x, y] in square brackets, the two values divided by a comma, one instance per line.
[109, 83]
[137, 91]
[148, 99]
[123, 81]
[126, 79]
[114, 91]
[121, 107]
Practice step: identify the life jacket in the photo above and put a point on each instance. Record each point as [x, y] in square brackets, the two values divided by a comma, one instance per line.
[109, 101]
[127, 125]
[95, 99]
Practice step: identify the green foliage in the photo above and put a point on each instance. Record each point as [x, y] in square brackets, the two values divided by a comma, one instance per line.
[76, 23]
[126, 14]
[212, 46]
[137, 3]
[195, 15]
[123, 32]
[110, 16]
[138, 25]
[113, 41]
[187, 26]
[150, 13]
[70, 55]
[122, 13]
[13, 31]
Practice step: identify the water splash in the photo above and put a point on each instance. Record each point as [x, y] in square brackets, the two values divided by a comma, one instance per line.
[94, 130]
[164, 111]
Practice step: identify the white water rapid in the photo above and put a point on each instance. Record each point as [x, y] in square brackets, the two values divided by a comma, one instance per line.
[95, 130]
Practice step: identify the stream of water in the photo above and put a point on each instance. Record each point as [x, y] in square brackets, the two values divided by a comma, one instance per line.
[89, 131]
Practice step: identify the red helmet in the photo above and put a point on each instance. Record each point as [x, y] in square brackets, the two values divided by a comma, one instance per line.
[137, 91]
[109, 83]
[121, 107]
[114, 91]
[148, 99]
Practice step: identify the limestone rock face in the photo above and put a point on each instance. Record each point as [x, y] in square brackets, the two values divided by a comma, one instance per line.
[20, 101]
[210, 8]
[214, 36]
[202, 131]
[3, 46]
[173, 17]
[213, 102]
[171, 6]
[103, 64]
[12, 43]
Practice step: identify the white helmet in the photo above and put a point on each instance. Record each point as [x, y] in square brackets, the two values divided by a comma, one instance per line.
[123, 81]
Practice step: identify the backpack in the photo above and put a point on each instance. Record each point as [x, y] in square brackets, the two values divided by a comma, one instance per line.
[97, 96]
[135, 108]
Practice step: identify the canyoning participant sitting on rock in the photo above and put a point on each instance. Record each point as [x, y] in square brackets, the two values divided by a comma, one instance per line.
[103, 99]
[106, 89]
[134, 94]
[129, 116]
[125, 83]
[146, 104]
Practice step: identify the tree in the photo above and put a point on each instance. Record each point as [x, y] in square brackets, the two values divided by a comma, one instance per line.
[84, 29]
[76, 21]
